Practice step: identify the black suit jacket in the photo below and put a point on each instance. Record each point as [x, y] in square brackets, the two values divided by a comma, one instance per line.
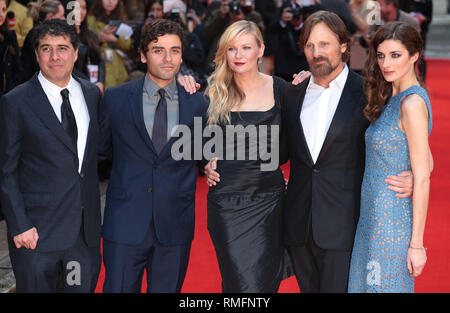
[325, 197]
[40, 183]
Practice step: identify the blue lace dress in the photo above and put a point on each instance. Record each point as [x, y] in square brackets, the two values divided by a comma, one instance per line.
[384, 229]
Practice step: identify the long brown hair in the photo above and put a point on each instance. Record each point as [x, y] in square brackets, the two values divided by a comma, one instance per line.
[117, 14]
[377, 89]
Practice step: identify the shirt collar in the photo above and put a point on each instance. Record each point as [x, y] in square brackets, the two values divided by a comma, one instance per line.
[338, 82]
[53, 89]
[152, 88]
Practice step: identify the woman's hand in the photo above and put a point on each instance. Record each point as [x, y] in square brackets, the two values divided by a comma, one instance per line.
[189, 83]
[416, 260]
[300, 77]
[212, 177]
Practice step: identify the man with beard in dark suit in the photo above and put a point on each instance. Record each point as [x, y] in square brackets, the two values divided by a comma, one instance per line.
[325, 127]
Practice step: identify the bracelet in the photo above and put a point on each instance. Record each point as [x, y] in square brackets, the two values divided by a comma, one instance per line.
[415, 248]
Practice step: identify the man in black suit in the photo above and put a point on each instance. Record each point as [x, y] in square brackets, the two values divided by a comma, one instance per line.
[48, 163]
[324, 124]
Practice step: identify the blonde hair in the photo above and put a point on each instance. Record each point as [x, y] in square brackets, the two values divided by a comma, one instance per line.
[222, 90]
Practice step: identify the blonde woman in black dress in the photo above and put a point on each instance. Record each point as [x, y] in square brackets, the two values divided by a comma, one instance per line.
[244, 208]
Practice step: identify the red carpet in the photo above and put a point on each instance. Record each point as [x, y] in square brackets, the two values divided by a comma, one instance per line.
[203, 272]
[436, 275]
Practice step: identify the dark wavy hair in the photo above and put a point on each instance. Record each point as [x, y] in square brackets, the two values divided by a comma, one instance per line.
[55, 27]
[377, 89]
[158, 28]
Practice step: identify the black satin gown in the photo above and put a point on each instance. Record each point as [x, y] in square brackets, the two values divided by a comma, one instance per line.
[244, 213]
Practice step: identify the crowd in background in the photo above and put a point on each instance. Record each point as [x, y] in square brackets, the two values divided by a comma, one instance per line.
[108, 59]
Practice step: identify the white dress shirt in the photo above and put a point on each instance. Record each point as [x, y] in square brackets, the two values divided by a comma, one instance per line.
[79, 108]
[318, 110]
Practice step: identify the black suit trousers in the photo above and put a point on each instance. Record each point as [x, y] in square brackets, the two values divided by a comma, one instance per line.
[320, 270]
[74, 270]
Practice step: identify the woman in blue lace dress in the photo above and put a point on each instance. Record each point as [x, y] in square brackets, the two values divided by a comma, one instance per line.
[388, 251]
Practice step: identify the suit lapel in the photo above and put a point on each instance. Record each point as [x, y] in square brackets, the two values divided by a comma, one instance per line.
[305, 154]
[40, 105]
[349, 99]
[136, 103]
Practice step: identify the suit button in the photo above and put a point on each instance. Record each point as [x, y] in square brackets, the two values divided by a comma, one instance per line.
[82, 175]
[316, 170]
[149, 189]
